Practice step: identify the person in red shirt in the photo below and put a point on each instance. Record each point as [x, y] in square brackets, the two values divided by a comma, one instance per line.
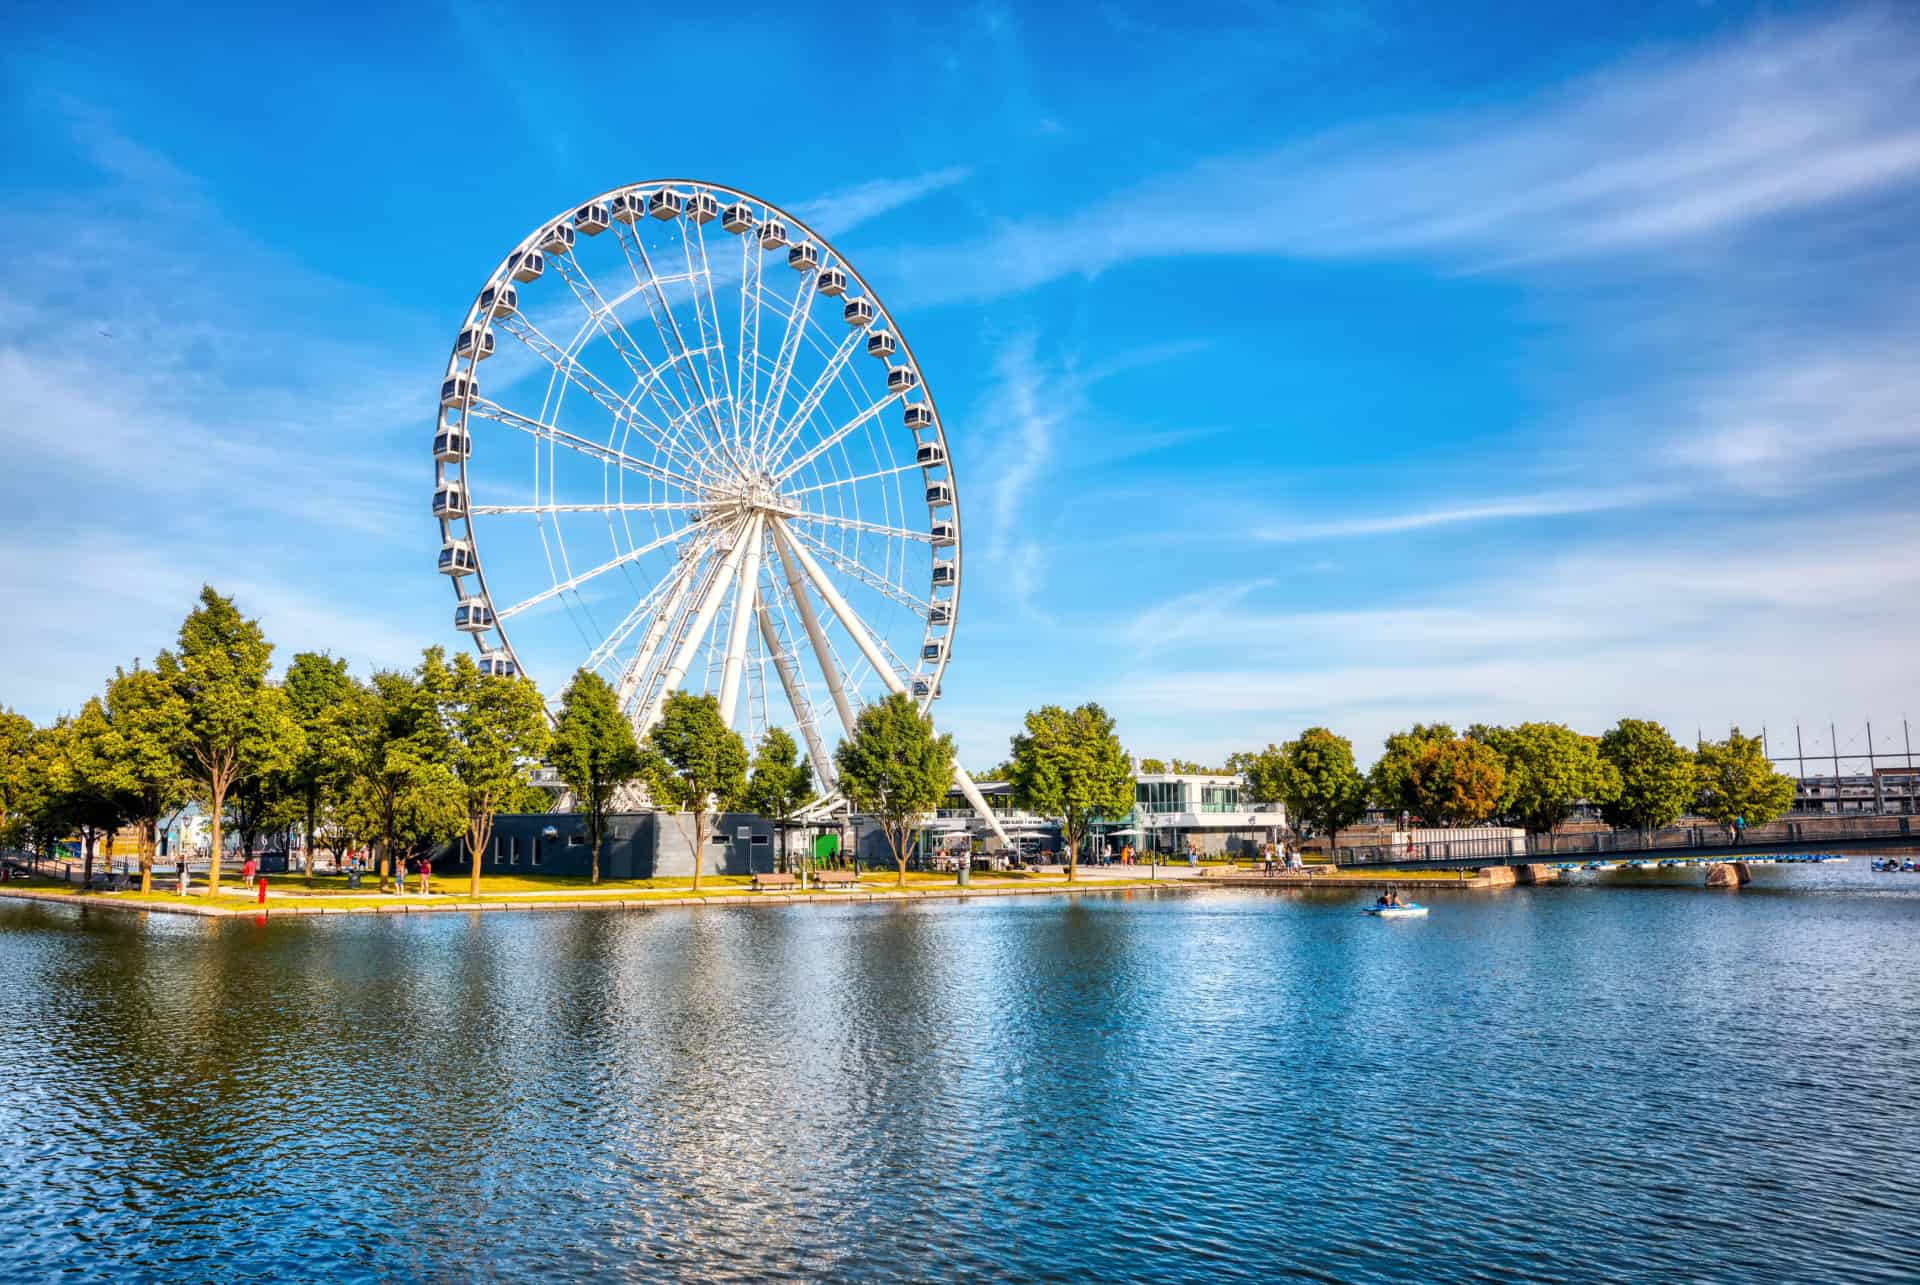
[246, 871]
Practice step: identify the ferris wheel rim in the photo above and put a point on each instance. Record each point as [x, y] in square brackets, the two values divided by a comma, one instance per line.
[478, 316]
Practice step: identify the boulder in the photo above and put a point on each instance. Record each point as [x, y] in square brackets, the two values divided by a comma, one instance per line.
[1729, 874]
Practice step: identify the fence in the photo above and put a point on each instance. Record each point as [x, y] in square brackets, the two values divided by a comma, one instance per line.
[1497, 849]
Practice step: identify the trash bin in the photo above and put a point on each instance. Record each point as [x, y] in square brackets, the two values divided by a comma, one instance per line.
[966, 871]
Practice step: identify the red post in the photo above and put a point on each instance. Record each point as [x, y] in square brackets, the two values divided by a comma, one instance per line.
[263, 890]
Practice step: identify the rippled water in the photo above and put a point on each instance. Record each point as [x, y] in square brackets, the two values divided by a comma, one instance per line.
[1569, 1083]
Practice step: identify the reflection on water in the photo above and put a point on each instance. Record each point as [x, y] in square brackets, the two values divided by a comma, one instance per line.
[1570, 1082]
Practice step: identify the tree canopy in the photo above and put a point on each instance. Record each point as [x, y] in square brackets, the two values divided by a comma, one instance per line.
[1548, 768]
[148, 718]
[896, 769]
[322, 698]
[495, 729]
[1313, 775]
[237, 725]
[1437, 776]
[1737, 782]
[693, 762]
[595, 753]
[1656, 775]
[1070, 764]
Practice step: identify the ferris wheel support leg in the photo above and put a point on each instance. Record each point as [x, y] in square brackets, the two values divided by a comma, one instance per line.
[802, 711]
[743, 605]
[703, 621]
[815, 634]
[871, 651]
[657, 631]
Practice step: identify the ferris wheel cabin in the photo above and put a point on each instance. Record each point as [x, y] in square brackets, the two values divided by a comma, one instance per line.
[702, 207]
[940, 615]
[591, 219]
[881, 344]
[458, 387]
[456, 558]
[527, 266]
[451, 444]
[499, 301]
[665, 205]
[919, 416]
[737, 219]
[804, 257]
[474, 344]
[449, 501]
[930, 455]
[945, 534]
[832, 283]
[902, 379]
[944, 573]
[494, 664]
[557, 239]
[858, 312]
[473, 616]
[626, 207]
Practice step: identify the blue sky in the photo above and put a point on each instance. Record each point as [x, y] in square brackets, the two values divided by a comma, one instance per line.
[1352, 364]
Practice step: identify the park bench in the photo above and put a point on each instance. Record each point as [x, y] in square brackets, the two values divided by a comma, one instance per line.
[762, 883]
[829, 878]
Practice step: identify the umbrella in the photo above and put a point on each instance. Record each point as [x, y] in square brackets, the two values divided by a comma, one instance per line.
[1122, 834]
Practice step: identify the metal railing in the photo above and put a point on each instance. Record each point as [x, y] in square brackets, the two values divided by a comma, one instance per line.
[1501, 849]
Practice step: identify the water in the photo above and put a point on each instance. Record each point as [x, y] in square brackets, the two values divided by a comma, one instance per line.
[1574, 1083]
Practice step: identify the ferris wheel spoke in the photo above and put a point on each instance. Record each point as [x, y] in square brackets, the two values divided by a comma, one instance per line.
[747, 352]
[720, 382]
[793, 425]
[694, 635]
[783, 362]
[658, 306]
[549, 433]
[647, 376]
[483, 510]
[859, 571]
[808, 517]
[682, 583]
[830, 669]
[834, 438]
[574, 582]
[649, 602]
[569, 368]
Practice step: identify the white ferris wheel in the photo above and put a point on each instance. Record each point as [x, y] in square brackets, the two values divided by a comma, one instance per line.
[682, 443]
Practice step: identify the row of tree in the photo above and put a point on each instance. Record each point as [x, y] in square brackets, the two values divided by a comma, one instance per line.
[1531, 775]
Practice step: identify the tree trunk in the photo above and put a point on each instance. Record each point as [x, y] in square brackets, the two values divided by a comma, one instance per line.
[1073, 853]
[217, 802]
[699, 845]
[86, 855]
[479, 830]
[386, 860]
[147, 825]
[312, 808]
[593, 859]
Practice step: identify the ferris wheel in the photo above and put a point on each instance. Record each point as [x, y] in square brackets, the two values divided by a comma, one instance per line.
[681, 443]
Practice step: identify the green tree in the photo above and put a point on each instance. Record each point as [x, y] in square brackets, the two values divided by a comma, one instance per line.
[1316, 779]
[16, 740]
[1070, 764]
[1264, 772]
[781, 784]
[322, 697]
[82, 775]
[1548, 768]
[1656, 775]
[694, 764]
[1737, 783]
[238, 726]
[148, 720]
[1151, 767]
[1391, 782]
[402, 789]
[496, 729]
[1456, 782]
[594, 751]
[42, 805]
[896, 769]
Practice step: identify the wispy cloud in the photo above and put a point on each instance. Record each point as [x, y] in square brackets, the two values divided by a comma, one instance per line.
[840, 212]
[1643, 155]
[1545, 504]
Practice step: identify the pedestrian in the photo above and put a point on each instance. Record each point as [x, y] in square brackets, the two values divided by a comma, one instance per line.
[246, 870]
[183, 876]
[426, 873]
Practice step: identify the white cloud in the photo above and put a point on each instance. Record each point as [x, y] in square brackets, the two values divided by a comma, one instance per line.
[1540, 505]
[840, 212]
[1641, 156]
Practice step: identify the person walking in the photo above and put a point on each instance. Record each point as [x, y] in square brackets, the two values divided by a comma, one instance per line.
[426, 873]
[183, 876]
[247, 868]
